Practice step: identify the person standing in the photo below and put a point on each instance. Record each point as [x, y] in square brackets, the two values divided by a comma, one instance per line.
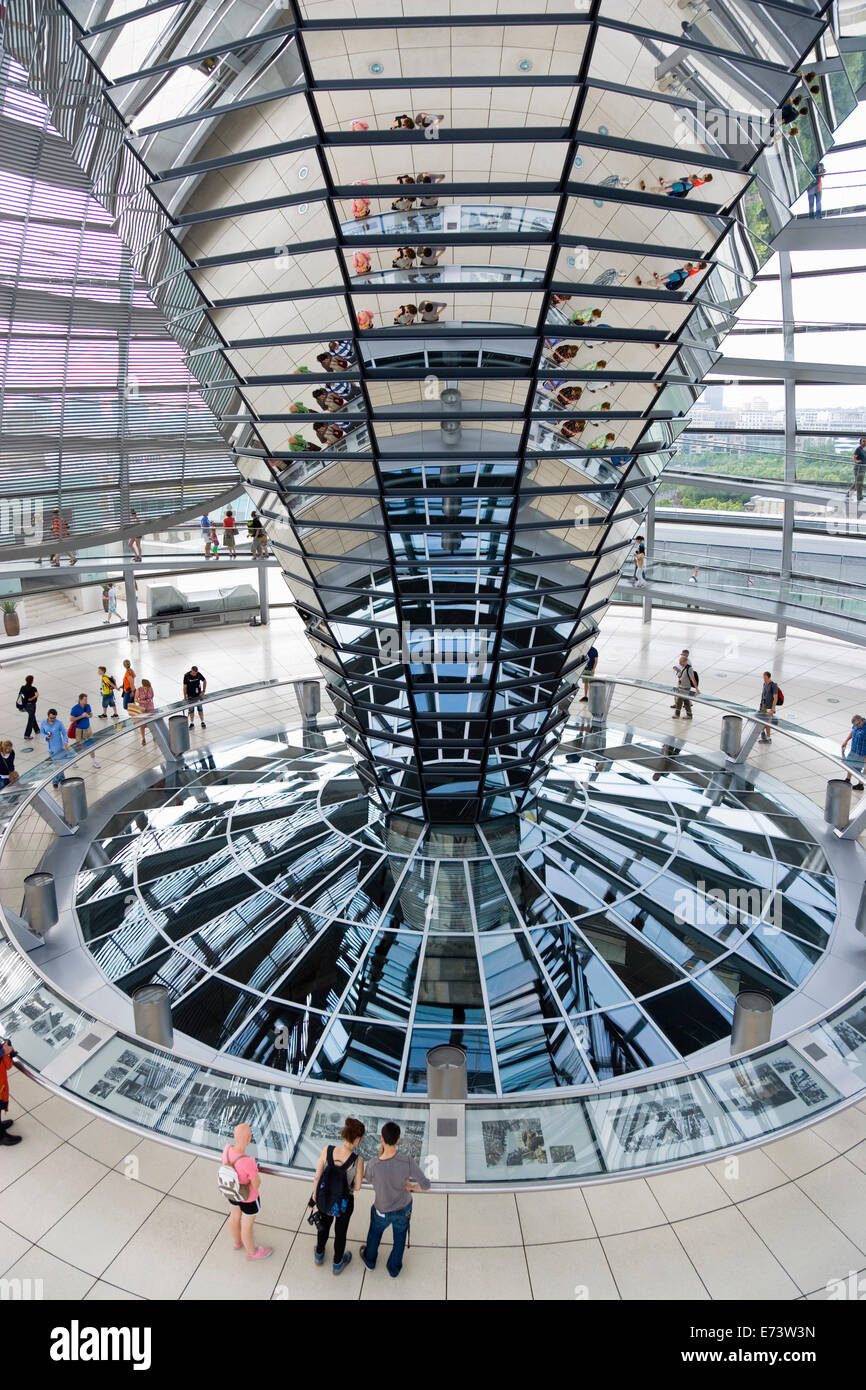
[55, 737]
[767, 707]
[395, 1177]
[859, 457]
[229, 532]
[589, 670]
[79, 728]
[194, 685]
[7, 1057]
[26, 703]
[638, 541]
[339, 1174]
[205, 527]
[253, 528]
[107, 687]
[686, 682]
[640, 563]
[214, 543]
[245, 1207]
[60, 532]
[815, 190]
[127, 687]
[144, 704]
[857, 757]
[8, 775]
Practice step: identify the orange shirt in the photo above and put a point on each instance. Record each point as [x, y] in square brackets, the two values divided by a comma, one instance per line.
[5, 1067]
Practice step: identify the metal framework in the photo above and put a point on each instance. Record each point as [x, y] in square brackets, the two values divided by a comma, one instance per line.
[480, 468]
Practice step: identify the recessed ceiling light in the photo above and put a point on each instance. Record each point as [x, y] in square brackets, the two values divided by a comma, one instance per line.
[302, 207]
[303, 171]
[602, 130]
[376, 68]
[525, 65]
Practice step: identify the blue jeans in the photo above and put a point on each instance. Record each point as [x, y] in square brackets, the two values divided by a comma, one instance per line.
[815, 202]
[378, 1226]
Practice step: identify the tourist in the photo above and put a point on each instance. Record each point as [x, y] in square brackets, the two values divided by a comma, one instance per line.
[339, 1174]
[55, 737]
[430, 312]
[859, 457]
[428, 201]
[428, 258]
[405, 258]
[205, 528]
[107, 687]
[26, 703]
[60, 532]
[214, 543]
[331, 363]
[815, 190]
[7, 1057]
[8, 775]
[405, 315]
[394, 1177]
[403, 122]
[328, 401]
[134, 542]
[194, 686]
[686, 682]
[254, 527]
[111, 606]
[588, 670]
[424, 121]
[857, 757]
[144, 704]
[229, 528]
[244, 1196]
[767, 707]
[79, 727]
[365, 319]
[640, 564]
[127, 685]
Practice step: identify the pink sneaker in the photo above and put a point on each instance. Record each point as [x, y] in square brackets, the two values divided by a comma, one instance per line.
[262, 1252]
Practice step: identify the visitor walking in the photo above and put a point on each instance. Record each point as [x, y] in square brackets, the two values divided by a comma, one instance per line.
[144, 704]
[55, 737]
[7, 1057]
[26, 703]
[640, 564]
[857, 757]
[395, 1177]
[194, 685]
[686, 682]
[134, 542]
[8, 775]
[111, 605]
[79, 727]
[767, 708]
[240, 1182]
[339, 1174]
[107, 687]
[127, 685]
[229, 528]
[205, 527]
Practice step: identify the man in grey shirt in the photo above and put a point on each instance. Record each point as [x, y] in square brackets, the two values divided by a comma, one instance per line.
[394, 1177]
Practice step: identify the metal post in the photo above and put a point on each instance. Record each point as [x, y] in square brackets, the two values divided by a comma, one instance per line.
[787, 558]
[837, 803]
[753, 1020]
[600, 695]
[73, 793]
[309, 696]
[732, 733]
[151, 1007]
[178, 735]
[40, 901]
[131, 600]
[264, 608]
[446, 1073]
[649, 542]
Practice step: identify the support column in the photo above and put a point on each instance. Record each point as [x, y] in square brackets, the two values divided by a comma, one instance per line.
[787, 558]
[649, 539]
[264, 605]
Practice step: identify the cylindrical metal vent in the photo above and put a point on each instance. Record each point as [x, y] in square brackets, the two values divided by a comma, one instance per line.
[837, 803]
[178, 734]
[40, 901]
[151, 1006]
[446, 1073]
[73, 793]
[599, 698]
[732, 734]
[309, 695]
[753, 1020]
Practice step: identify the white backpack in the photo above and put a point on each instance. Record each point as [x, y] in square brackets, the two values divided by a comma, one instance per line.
[230, 1184]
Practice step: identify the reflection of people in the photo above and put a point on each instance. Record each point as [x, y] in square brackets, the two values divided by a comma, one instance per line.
[859, 457]
[857, 757]
[815, 190]
[589, 670]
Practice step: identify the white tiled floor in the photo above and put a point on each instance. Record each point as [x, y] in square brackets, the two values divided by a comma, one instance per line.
[776, 1223]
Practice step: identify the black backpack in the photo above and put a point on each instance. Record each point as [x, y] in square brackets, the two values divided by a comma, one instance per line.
[694, 673]
[332, 1191]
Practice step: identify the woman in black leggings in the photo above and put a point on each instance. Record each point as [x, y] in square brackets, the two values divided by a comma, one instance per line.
[27, 697]
[339, 1174]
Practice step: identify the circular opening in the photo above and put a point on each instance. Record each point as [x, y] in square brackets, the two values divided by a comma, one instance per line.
[446, 1056]
[755, 1002]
